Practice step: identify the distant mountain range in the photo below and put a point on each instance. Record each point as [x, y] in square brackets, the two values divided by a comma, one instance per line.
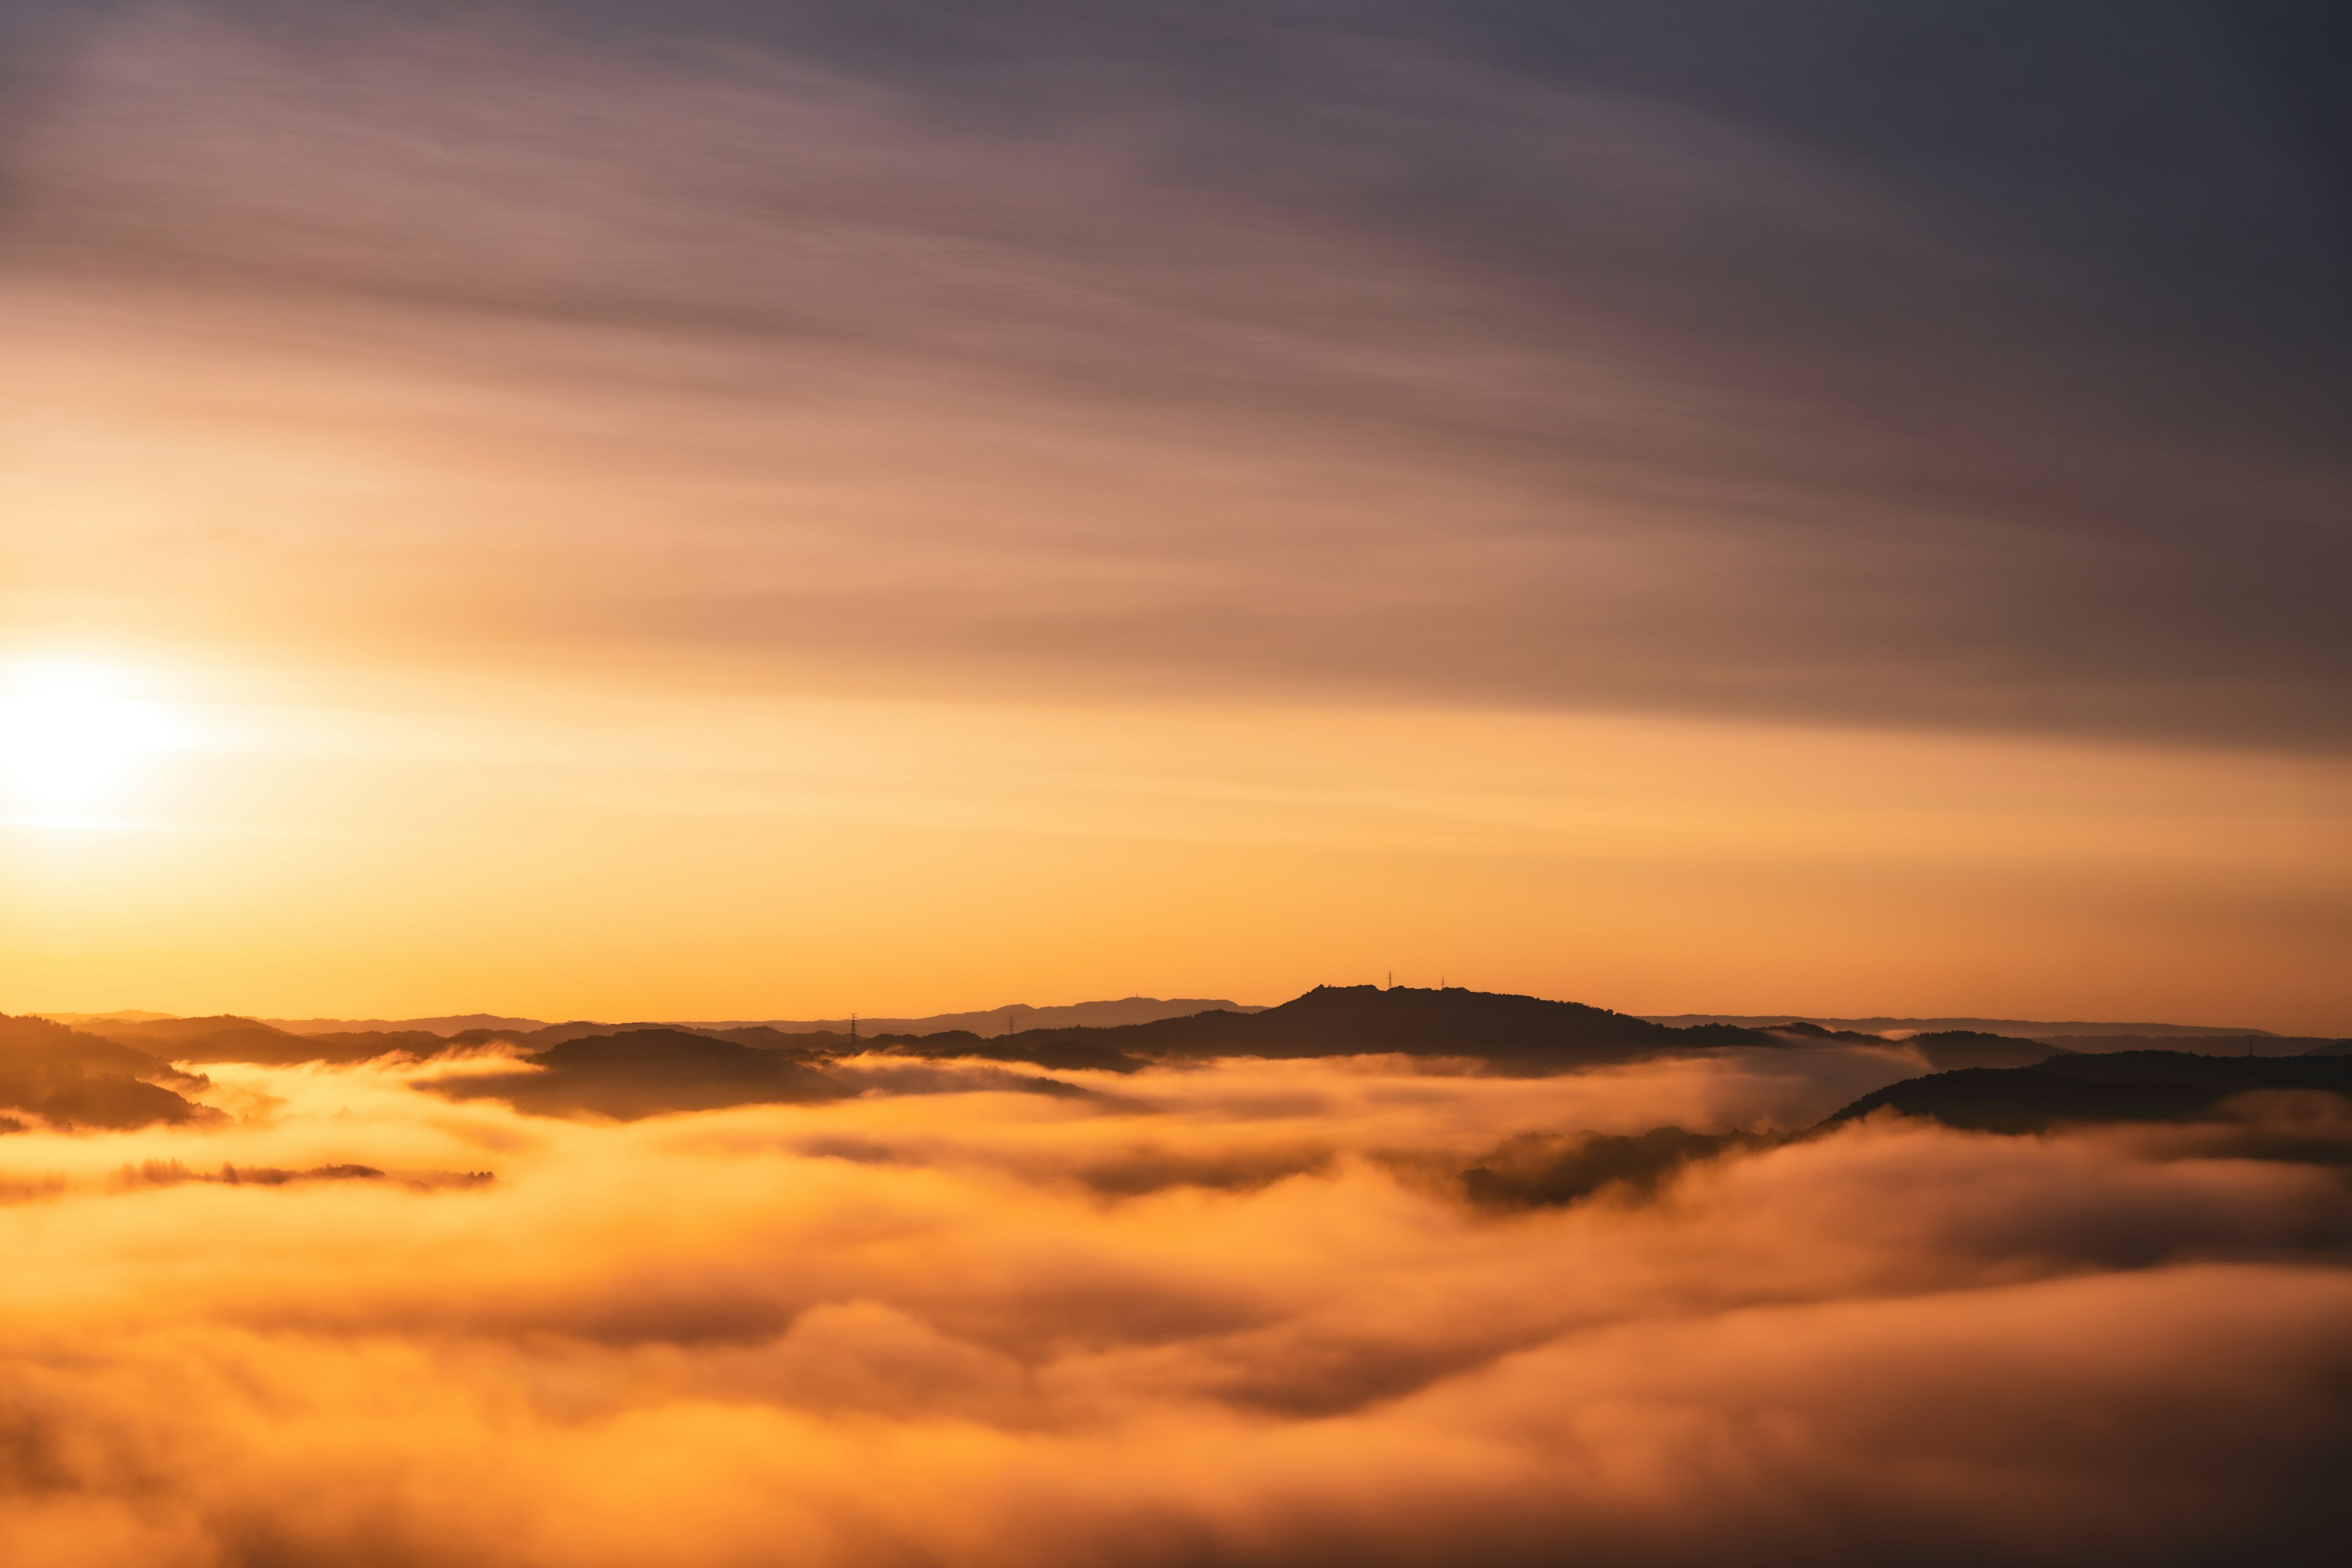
[2024, 1028]
[117, 1071]
[1017, 1018]
[2124, 1085]
[2099, 1038]
[454, 1025]
[72, 1079]
[1011, 1017]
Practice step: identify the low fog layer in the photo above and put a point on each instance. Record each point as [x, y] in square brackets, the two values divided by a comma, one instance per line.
[1360, 1310]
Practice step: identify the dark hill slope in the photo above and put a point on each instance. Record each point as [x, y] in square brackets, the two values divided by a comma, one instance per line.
[1060, 1050]
[548, 1035]
[38, 1042]
[1523, 1034]
[2124, 1085]
[78, 1080]
[1514, 1034]
[224, 1038]
[803, 1044]
[644, 1072]
[365, 1045]
[2214, 1045]
[228, 1038]
[161, 1033]
[1946, 1049]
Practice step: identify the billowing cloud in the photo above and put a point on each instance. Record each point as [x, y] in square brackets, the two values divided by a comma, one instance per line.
[1252, 1312]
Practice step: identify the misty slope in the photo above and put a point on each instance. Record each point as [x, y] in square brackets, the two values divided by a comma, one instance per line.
[649, 1070]
[946, 1034]
[226, 1037]
[2009, 1028]
[1515, 1033]
[494, 1026]
[72, 1079]
[441, 1028]
[1539, 1169]
[2212, 1045]
[1943, 1048]
[2126, 1086]
[644, 1072]
[2191, 1094]
[987, 1021]
[1946, 1049]
[1506, 1033]
[641, 1068]
[223, 1038]
[1523, 1034]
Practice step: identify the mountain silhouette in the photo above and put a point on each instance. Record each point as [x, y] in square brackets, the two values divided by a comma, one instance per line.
[223, 1038]
[981, 1021]
[1510, 1033]
[2123, 1086]
[644, 1072]
[648, 1069]
[2173, 1035]
[77, 1081]
[1012, 1017]
[1946, 1049]
[1537, 1170]
[1524, 1034]
[226, 1037]
[2210, 1045]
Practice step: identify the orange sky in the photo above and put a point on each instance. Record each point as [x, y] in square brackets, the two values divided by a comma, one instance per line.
[359, 843]
[611, 533]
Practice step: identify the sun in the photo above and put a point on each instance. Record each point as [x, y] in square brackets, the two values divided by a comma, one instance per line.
[67, 737]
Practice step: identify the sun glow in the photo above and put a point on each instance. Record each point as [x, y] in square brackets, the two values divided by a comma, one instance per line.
[68, 737]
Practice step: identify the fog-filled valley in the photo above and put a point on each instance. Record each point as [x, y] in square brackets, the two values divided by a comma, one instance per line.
[1605, 1293]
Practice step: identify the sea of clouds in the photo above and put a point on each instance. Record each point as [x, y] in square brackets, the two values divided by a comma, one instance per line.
[1251, 1312]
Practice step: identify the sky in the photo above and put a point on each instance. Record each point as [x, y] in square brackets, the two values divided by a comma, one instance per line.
[725, 509]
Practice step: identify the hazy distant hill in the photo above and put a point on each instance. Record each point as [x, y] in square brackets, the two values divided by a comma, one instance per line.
[643, 1072]
[2020, 1028]
[1949, 1048]
[457, 1023]
[1011, 1018]
[284, 1042]
[1517, 1032]
[1525, 1033]
[2212, 1045]
[988, 1021]
[1511, 1033]
[2124, 1085]
[73, 1080]
[226, 1039]
[1506, 1033]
